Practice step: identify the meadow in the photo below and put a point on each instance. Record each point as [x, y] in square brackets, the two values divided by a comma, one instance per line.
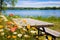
[52, 19]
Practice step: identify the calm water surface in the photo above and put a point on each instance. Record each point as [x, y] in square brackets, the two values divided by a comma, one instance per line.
[44, 13]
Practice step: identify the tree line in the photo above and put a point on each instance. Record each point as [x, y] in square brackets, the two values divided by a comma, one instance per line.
[30, 8]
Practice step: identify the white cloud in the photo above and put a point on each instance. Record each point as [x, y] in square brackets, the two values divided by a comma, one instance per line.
[37, 4]
[49, 2]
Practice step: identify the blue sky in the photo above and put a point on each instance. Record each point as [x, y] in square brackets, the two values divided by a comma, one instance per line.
[39, 0]
[37, 3]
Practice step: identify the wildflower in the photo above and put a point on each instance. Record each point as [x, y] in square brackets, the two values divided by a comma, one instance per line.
[43, 32]
[13, 29]
[1, 26]
[28, 26]
[33, 32]
[26, 36]
[1, 30]
[11, 15]
[24, 29]
[19, 35]
[14, 36]
[2, 33]
[14, 32]
[9, 36]
[49, 38]
[41, 28]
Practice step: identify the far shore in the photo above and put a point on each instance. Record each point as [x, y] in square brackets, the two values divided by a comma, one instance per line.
[33, 8]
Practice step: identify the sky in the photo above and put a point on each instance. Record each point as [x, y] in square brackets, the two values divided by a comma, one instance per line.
[37, 3]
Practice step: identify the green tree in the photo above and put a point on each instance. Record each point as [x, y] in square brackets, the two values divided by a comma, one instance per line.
[4, 3]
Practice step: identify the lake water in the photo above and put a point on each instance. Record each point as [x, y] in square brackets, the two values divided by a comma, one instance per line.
[44, 13]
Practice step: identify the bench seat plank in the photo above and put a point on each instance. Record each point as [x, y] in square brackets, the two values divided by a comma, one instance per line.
[52, 32]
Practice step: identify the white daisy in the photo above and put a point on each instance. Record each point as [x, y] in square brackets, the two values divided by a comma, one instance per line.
[33, 32]
[43, 32]
[19, 35]
[1, 30]
[14, 32]
[26, 36]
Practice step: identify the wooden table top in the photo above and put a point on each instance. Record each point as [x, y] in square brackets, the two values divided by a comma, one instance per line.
[32, 22]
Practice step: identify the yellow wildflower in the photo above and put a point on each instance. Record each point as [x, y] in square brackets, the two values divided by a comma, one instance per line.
[8, 36]
[14, 36]
[1, 26]
[49, 37]
[28, 26]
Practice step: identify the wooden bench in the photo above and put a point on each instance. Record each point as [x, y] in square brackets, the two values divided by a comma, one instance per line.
[51, 32]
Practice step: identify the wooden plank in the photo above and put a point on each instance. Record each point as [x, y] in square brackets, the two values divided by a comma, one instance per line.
[52, 32]
[32, 22]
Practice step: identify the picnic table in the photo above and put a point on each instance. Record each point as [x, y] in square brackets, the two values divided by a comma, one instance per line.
[34, 23]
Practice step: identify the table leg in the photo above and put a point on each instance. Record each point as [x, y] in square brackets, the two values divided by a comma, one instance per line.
[38, 32]
[45, 33]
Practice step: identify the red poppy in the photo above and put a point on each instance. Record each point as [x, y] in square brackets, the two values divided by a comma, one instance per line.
[13, 29]
[11, 15]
